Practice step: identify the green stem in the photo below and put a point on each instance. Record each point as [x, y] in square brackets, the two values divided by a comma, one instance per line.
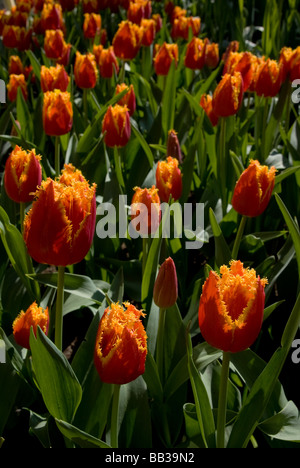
[85, 107]
[59, 308]
[145, 252]
[222, 163]
[115, 416]
[22, 215]
[264, 125]
[57, 156]
[221, 422]
[118, 168]
[238, 238]
[160, 343]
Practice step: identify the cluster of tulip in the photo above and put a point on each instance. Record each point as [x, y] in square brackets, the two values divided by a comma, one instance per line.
[59, 228]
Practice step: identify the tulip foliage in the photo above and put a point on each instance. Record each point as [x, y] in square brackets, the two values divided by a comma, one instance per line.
[149, 224]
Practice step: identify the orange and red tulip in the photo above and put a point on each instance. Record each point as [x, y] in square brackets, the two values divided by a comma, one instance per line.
[85, 70]
[173, 146]
[231, 307]
[268, 78]
[127, 40]
[116, 126]
[165, 290]
[195, 53]
[253, 189]
[228, 95]
[182, 25]
[22, 175]
[149, 30]
[15, 66]
[206, 104]
[54, 78]
[243, 62]
[52, 16]
[146, 213]
[128, 99]
[91, 25]
[121, 344]
[164, 55]
[108, 63]
[57, 113]
[169, 179]
[33, 317]
[54, 43]
[15, 82]
[59, 228]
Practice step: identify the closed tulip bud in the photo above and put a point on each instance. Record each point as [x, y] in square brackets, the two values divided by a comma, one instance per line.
[164, 55]
[34, 317]
[91, 25]
[228, 95]
[195, 54]
[165, 290]
[15, 82]
[116, 126]
[57, 113]
[54, 78]
[59, 228]
[173, 146]
[169, 179]
[285, 60]
[127, 40]
[145, 210]
[128, 99]
[10, 36]
[121, 345]
[211, 55]
[206, 104]
[268, 78]
[85, 70]
[138, 11]
[254, 189]
[231, 307]
[23, 174]
[108, 63]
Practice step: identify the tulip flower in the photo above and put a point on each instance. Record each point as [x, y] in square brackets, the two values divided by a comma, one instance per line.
[206, 104]
[59, 228]
[145, 210]
[52, 16]
[54, 78]
[228, 95]
[139, 10]
[195, 54]
[128, 99]
[16, 37]
[23, 174]
[116, 126]
[294, 64]
[285, 60]
[85, 70]
[211, 55]
[149, 30]
[54, 44]
[173, 146]
[108, 63]
[91, 25]
[33, 317]
[165, 290]
[182, 25]
[168, 179]
[57, 113]
[164, 55]
[15, 82]
[243, 62]
[121, 344]
[15, 66]
[253, 189]
[127, 40]
[231, 307]
[268, 78]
